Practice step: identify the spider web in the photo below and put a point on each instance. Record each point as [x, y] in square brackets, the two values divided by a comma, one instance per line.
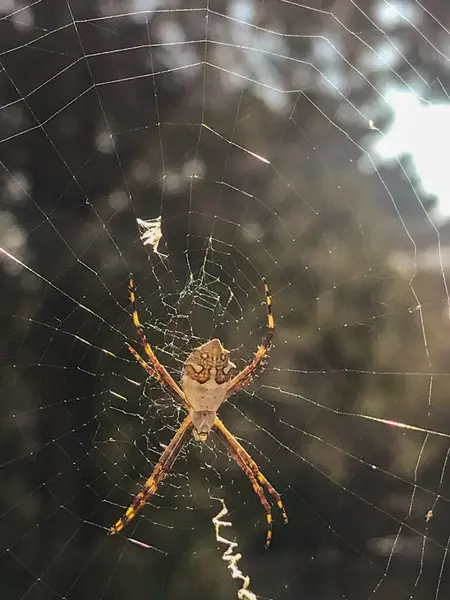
[202, 146]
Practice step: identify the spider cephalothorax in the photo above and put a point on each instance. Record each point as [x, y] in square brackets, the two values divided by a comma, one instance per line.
[208, 379]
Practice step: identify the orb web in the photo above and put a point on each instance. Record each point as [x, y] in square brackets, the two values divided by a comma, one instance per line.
[202, 147]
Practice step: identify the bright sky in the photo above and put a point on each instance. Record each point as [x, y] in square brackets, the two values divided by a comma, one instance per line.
[423, 131]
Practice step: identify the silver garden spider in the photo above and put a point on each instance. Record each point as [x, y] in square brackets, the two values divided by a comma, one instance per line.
[207, 380]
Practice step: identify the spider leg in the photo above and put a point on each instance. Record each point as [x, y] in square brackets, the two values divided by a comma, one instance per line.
[144, 364]
[256, 487]
[250, 468]
[164, 465]
[247, 374]
[155, 368]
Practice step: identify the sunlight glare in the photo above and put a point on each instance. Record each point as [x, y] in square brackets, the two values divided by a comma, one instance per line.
[423, 132]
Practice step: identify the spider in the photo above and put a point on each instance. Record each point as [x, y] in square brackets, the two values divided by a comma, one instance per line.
[208, 379]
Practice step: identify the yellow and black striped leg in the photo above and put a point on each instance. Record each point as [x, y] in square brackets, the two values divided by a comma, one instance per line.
[256, 486]
[164, 465]
[270, 319]
[251, 469]
[155, 368]
[247, 374]
[272, 491]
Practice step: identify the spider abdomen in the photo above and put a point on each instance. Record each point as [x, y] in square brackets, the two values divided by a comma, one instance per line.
[206, 378]
[202, 390]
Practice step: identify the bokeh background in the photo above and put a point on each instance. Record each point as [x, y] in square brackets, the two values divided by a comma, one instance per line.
[307, 143]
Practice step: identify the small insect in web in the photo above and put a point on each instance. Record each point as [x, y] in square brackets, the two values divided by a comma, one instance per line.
[207, 380]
